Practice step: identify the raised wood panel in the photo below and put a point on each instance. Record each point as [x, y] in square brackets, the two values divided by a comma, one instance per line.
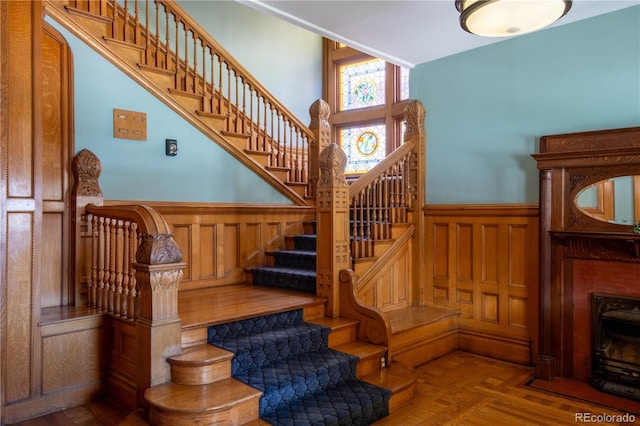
[18, 305]
[53, 292]
[464, 246]
[218, 241]
[229, 250]
[84, 348]
[494, 252]
[208, 256]
[20, 95]
[489, 255]
[392, 287]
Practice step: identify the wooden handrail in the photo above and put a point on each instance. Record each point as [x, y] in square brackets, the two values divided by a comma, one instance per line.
[374, 327]
[148, 220]
[368, 178]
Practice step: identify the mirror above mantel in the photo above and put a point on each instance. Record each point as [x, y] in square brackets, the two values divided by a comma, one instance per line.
[614, 200]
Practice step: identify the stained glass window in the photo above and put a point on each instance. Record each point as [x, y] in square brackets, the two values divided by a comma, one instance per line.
[364, 147]
[362, 84]
[404, 83]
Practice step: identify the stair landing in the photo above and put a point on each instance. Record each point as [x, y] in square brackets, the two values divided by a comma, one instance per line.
[201, 308]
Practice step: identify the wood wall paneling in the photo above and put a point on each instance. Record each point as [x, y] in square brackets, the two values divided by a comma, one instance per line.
[219, 241]
[482, 260]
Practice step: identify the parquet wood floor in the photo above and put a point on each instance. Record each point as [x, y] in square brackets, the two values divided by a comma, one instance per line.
[457, 389]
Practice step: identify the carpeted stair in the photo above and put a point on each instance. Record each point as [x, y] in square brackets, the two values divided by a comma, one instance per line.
[293, 269]
[303, 381]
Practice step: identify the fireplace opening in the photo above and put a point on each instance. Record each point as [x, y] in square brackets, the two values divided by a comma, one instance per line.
[615, 366]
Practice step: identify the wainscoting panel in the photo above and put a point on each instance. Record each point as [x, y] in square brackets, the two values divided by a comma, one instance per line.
[219, 241]
[483, 261]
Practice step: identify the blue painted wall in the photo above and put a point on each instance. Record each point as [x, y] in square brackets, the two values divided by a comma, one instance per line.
[487, 108]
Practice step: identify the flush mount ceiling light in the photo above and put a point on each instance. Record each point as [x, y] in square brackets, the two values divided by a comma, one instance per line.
[503, 18]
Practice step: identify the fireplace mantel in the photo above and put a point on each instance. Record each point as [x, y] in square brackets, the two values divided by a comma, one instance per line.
[615, 246]
[576, 247]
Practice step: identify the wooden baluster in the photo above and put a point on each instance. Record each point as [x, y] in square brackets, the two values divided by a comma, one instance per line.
[176, 55]
[220, 87]
[203, 78]
[252, 118]
[103, 8]
[186, 57]
[212, 83]
[195, 63]
[136, 23]
[236, 102]
[134, 242]
[229, 96]
[369, 223]
[119, 291]
[376, 224]
[264, 131]
[113, 244]
[124, 301]
[114, 19]
[93, 283]
[125, 24]
[101, 263]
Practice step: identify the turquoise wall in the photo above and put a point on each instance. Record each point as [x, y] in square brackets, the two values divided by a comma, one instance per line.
[202, 171]
[487, 108]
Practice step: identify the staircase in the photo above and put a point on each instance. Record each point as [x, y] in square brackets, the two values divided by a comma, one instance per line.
[191, 73]
[281, 366]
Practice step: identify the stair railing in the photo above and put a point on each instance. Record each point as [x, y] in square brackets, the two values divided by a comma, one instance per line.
[350, 218]
[127, 259]
[380, 198]
[174, 43]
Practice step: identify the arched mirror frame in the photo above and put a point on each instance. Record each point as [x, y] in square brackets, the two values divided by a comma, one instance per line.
[568, 163]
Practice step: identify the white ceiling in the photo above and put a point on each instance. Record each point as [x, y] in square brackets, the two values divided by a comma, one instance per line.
[405, 32]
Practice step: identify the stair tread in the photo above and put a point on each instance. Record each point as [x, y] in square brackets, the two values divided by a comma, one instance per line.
[395, 377]
[212, 397]
[415, 316]
[361, 349]
[334, 323]
[330, 405]
[201, 354]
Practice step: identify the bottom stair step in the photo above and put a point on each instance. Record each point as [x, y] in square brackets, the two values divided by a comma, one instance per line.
[227, 401]
[359, 403]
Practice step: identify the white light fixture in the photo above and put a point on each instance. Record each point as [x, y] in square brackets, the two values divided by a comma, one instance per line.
[504, 18]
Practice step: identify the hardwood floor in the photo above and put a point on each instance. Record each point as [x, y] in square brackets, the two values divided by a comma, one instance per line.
[456, 389]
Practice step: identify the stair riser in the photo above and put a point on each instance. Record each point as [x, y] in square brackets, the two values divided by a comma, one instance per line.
[342, 335]
[400, 398]
[367, 366]
[200, 375]
[238, 415]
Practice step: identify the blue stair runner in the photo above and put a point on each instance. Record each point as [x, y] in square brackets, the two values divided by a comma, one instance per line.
[303, 381]
[293, 269]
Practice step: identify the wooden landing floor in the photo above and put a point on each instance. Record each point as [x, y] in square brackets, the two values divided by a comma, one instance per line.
[457, 389]
[239, 301]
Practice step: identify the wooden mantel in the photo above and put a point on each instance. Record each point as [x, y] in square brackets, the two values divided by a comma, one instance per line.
[572, 242]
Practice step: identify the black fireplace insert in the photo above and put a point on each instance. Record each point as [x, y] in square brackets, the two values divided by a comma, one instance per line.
[615, 363]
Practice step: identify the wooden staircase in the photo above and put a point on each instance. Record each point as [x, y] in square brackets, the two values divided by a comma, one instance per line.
[202, 390]
[235, 112]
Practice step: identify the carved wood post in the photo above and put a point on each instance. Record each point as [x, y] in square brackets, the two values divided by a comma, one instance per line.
[158, 273]
[86, 168]
[414, 114]
[332, 201]
[319, 112]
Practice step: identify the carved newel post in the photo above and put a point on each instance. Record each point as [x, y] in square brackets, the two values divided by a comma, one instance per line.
[332, 201]
[158, 269]
[319, 112]
[414, 115]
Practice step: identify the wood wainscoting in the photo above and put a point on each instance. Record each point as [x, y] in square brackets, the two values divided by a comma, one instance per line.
[483, 260]
[218, 241]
